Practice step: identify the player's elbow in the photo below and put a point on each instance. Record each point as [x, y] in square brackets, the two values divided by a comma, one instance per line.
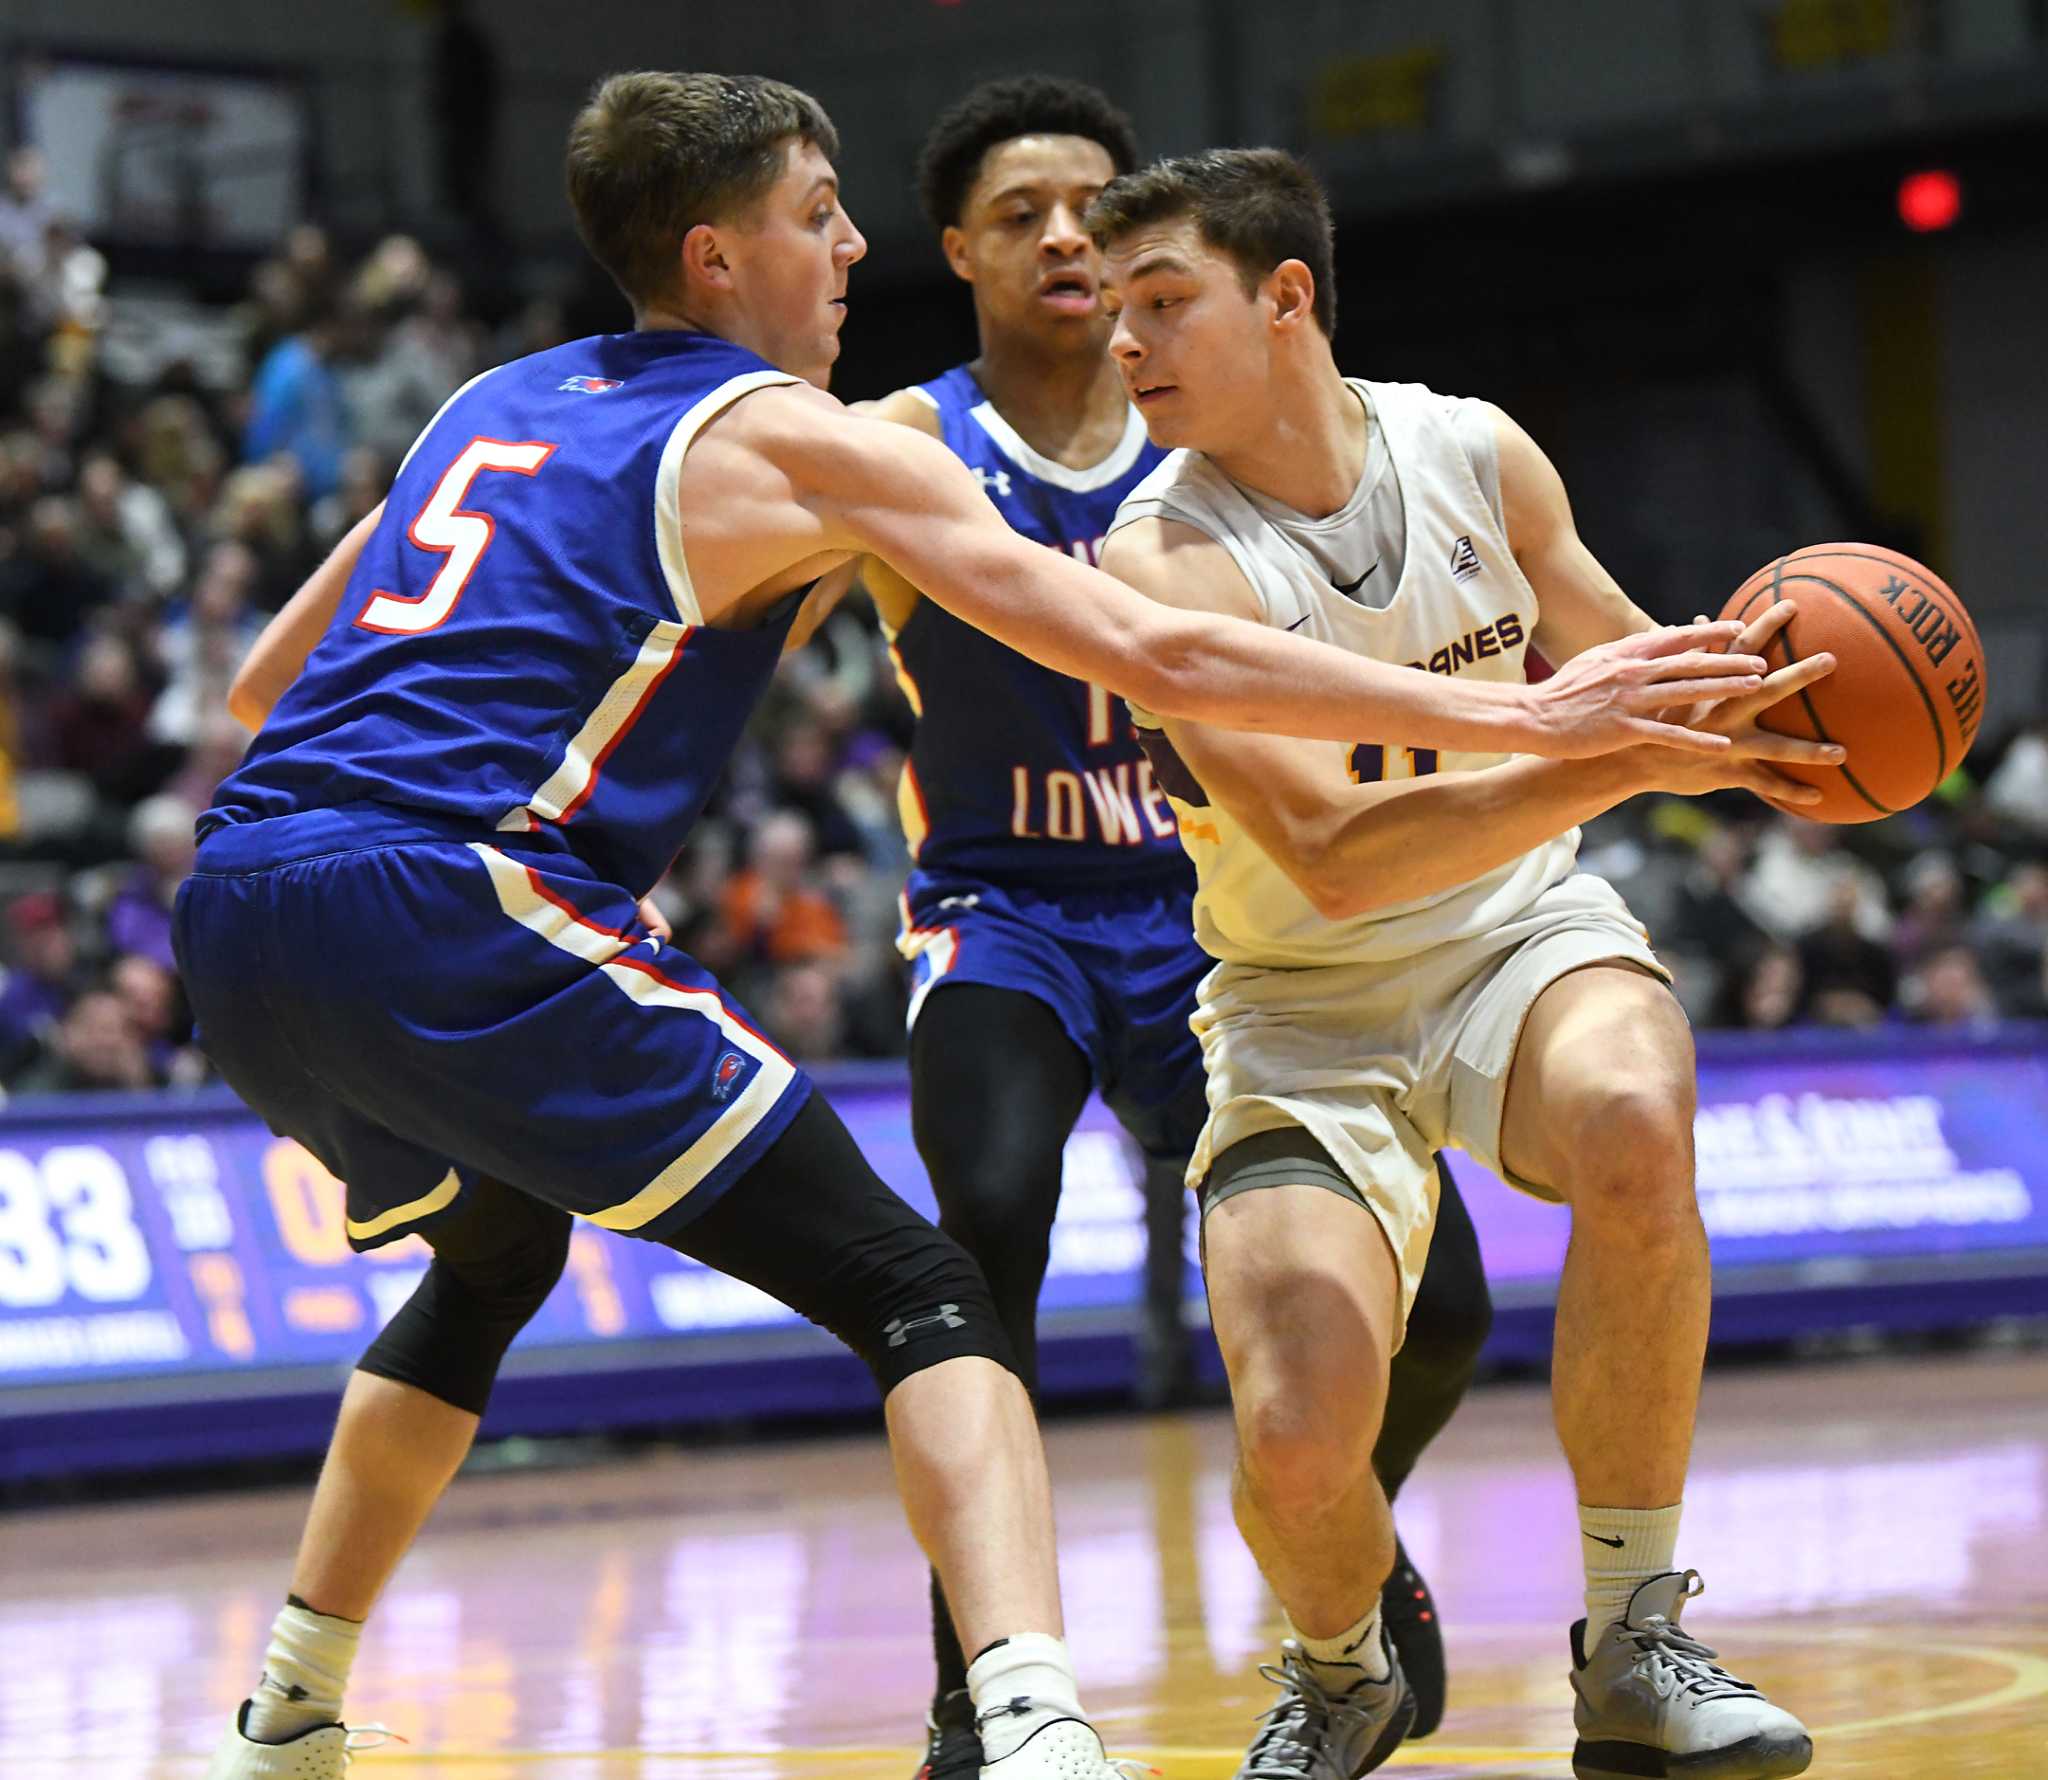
[1335, 889]
[246, 704]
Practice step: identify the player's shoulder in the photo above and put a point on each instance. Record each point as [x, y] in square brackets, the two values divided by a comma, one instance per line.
[913, 406]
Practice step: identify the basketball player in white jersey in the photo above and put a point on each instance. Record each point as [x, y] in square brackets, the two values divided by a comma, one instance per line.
[1409, 958]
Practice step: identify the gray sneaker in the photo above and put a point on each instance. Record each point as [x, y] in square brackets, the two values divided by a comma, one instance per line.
[1653, 1704]
[1313, 1734]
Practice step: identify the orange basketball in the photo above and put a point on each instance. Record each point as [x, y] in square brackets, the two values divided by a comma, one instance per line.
[1907, 692]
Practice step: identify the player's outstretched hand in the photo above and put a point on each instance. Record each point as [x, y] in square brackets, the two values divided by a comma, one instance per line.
[1750, 760]
[1622, 693]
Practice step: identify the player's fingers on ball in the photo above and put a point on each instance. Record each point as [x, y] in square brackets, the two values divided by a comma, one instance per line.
[1703, 633]
[1796, 678]
[1677, 735]
[1776, 788]
[1693, 663]
[1792, 750]
[1761, 629]
[1663, 695]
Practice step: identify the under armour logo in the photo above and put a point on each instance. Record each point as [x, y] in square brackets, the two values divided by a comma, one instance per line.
[993, 481]
[972, 901]
[1465, 561]
[947, 1317]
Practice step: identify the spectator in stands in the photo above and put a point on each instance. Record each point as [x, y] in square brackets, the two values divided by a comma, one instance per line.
[769, 913]
[295, 404]
[126, 530]
[2010, 937]
[1850, 978]
[803, 1012]
[805, 771]
[1763, 990]
[41, 978]
[2017, 791]
[49, 590]
[24, 214]
[202, 646]
[99, 723]
[139, 917]
[155, 1007]
[96, 1047]
[1791, 887]
[1933, 916]
[1949, 990]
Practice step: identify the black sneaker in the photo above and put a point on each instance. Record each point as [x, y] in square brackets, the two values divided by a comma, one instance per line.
[1408, 1610]
[952, 1748]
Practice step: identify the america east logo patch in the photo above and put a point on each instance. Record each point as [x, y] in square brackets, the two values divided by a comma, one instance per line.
[588, 386]
[726, 1074]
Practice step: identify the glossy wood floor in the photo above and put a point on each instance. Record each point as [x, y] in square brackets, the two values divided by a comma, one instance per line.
[1874, 1538]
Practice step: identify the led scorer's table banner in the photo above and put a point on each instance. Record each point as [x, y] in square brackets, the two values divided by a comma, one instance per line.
[155, 1237]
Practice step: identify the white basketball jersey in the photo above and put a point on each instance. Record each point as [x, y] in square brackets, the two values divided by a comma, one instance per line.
[1461, 606]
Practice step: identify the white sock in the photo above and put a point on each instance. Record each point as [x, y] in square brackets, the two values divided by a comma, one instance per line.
[1353, 1655]
[1623, 1548]
[1030, 1671]
[305, 1670]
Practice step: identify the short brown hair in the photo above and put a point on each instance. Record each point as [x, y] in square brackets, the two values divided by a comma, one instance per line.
[1259, 206]
[653, 155]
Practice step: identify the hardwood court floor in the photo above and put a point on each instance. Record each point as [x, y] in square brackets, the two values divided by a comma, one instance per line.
[1874, 1538]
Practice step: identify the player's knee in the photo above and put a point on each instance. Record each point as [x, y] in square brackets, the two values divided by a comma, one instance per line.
[449, 1338]
[923, 1305]
[1304, 1443]
[1633, 1161]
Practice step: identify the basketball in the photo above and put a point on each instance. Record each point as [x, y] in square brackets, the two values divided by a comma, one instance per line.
[1907, 692]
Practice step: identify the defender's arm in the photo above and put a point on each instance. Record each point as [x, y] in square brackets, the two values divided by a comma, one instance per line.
[892, 492]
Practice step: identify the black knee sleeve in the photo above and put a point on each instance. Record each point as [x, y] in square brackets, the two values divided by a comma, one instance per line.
[1447, 1326]
[812, 1225]
[493, 1267]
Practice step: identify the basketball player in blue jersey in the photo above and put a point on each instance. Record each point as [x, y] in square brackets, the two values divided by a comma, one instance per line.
[412, 937]
[1048, 915]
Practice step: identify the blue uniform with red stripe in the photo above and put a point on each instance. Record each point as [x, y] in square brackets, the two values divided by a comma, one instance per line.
[1045, 856]
[411, 937]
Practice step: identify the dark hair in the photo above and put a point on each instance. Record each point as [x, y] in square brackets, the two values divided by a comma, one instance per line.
[653, 155]
[999, 111]
[1258, 205]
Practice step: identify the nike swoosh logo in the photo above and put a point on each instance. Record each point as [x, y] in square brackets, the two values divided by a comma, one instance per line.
[1355, 585]
[1299, 622]
[1597, 1540]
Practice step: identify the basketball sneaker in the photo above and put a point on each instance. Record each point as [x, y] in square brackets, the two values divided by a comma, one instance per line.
[1652, 1702]
[322, 1753]
[1313, 1734]
[952, 1749]
[1062, 1748]
[1408, 1611]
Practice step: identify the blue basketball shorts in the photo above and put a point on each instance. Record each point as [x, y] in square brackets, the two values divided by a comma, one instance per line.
[1119, 967]
[421, 1007]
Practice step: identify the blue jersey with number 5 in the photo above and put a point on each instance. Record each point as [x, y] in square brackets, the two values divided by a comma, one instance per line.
[1019, 774]
[519, 649]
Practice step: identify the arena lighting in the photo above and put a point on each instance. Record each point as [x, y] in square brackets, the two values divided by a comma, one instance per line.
[1930, 200]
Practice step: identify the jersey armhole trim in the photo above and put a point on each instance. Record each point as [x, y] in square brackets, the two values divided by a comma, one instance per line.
[668, 516]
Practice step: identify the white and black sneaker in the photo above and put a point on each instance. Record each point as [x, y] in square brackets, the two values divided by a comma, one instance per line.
[1062, 1748]
[321, 1753]
[1653, 1705]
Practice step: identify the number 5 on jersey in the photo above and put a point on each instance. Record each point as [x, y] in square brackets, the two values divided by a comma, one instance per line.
[461, 536]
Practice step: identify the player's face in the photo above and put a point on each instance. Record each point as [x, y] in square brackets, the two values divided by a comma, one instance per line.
[790, 262]
[1021, 245]
[1191, 344]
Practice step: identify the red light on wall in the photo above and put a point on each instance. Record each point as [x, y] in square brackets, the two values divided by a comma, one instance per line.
[1930, 201]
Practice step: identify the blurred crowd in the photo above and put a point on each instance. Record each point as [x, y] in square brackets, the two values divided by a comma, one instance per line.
[150, 523]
